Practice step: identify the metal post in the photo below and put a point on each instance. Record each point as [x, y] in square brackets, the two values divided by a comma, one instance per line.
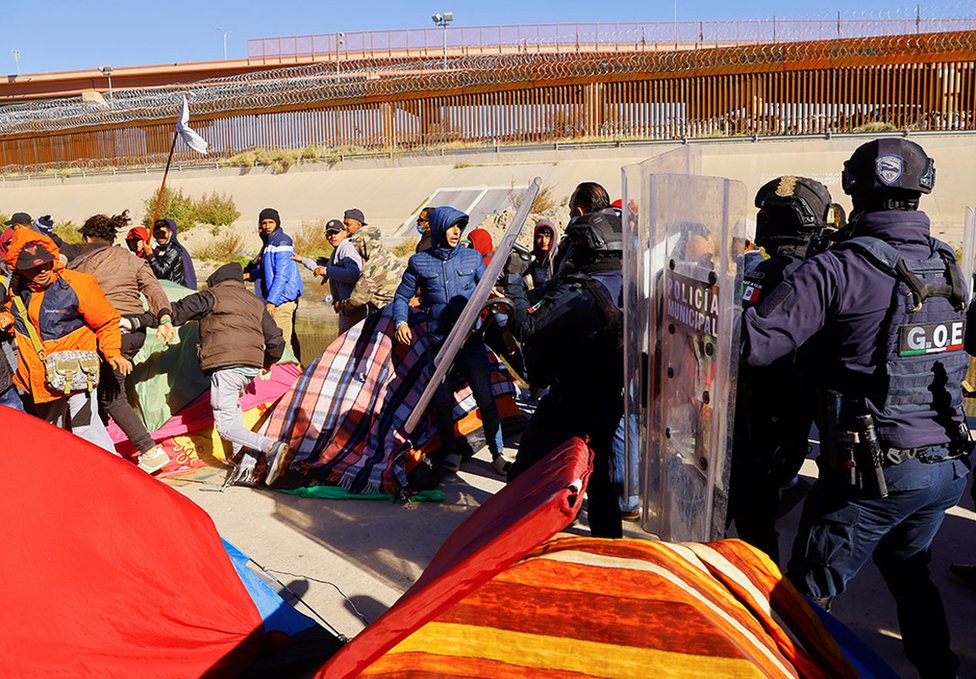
[443, 20]
[339, 42]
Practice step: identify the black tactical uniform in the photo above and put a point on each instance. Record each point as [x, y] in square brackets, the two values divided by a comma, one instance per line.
[775, 403]
[571, 330]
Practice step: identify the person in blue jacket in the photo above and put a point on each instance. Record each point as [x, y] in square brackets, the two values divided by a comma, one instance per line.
[446, 275]
[279, 282]
[888, 306]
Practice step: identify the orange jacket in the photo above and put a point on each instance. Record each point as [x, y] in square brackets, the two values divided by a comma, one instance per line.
[70, 313]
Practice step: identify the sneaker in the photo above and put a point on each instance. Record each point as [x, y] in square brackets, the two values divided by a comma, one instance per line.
[501, 465]
[630, 515]
[153, 460]
[276, 461]
[452, 462]
[243, 471]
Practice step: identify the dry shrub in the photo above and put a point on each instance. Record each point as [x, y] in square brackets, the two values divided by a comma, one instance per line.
[224, 249]
[544, 201]
[68, 232]
[311, 240]
[217, 209]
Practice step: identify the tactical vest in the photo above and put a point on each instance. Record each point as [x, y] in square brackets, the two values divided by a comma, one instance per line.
[925, 361]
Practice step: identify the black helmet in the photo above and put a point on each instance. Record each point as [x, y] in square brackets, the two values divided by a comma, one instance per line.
[601, 230]
[807, 198]
[888, 166]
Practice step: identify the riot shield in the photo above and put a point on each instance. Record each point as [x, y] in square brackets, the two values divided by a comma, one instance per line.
[968, 260]
[685, 159]
[686, 252]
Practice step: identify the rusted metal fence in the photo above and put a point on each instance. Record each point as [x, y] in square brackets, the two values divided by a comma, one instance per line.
[571, 37]
[924, 82]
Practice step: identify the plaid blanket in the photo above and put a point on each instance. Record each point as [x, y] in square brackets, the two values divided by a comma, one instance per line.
[342, 417]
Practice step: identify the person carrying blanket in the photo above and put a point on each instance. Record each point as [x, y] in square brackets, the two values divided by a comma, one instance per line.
[446, 276]
[239, 341]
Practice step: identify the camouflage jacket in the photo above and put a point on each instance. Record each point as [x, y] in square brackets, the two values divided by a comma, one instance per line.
[381, 272]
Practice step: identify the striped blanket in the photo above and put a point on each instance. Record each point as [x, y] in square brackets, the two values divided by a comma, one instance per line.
[584, 607]
[342, 417]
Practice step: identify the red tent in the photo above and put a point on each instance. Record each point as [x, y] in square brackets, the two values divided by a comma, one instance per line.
[108, 572]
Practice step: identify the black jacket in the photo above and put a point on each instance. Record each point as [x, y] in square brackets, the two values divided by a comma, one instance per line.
[571, 331]
[167, 263]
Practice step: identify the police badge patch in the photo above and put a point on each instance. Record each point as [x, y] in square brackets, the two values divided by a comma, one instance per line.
[889, 168]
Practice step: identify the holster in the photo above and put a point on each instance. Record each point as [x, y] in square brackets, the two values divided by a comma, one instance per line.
[854, 459]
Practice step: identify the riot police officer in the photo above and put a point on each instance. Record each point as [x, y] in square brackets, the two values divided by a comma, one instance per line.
[772, 427]
[571, 330]
[890, 302]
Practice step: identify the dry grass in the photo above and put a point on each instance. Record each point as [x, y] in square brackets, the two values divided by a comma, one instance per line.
[227, 248]
[68, 232]
[311, 240]
[544, 201]
[404, 249]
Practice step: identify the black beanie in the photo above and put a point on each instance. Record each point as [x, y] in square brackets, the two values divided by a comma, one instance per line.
[269, 213]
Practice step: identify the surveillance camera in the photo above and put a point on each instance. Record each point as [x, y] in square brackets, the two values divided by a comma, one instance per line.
[436, 18]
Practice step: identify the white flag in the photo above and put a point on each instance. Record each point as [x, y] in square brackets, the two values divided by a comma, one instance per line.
[192, 139]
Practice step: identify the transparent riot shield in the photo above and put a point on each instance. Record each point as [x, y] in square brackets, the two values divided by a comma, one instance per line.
[968, 260]
[686, 251]
[685, 159]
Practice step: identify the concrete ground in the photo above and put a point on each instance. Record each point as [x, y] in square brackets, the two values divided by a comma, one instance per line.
[351, 559]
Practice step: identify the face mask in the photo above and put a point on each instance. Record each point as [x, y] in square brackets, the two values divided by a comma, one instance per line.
[420, 229]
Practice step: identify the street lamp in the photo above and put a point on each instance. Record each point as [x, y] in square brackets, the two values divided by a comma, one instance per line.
[107, 72]
[340, 41]
[443, 20]
[16, 55]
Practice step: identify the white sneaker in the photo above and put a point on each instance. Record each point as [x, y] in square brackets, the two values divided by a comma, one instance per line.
[276, 462]
[153, 460]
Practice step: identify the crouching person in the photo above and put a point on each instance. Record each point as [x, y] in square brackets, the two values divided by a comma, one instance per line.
[62, 321]
[238, 341]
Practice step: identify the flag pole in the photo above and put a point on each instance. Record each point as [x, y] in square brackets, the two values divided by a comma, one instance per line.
[159, 196]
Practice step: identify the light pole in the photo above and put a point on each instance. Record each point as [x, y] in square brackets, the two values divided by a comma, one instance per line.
[340, 41]
[226, 33]
[443, 20]
[107, 72]
[16, 55]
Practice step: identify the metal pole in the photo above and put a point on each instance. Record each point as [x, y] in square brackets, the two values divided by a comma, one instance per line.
[445, 44]
[159, 196]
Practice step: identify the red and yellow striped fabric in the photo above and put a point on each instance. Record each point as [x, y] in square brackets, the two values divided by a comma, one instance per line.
[583, 607]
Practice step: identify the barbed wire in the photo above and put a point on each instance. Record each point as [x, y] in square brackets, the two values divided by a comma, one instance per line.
[324, 84]
[476, 39]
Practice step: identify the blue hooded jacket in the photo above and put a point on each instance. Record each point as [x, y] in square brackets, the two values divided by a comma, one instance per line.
[445, 276]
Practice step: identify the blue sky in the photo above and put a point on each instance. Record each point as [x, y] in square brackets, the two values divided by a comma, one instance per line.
[71, 35]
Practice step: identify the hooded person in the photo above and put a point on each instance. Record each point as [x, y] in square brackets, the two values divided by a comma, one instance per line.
[138, 241]
[61, 321]
[482, 243]
[170, 261]
[446, 276]
[239, 340]
[543, 249]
